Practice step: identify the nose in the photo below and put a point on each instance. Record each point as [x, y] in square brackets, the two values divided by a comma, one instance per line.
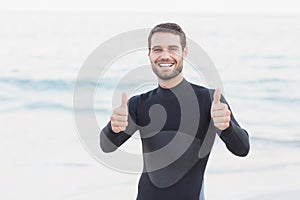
[165, 55]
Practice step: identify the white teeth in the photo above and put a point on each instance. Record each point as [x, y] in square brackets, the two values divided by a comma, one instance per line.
[165, 65]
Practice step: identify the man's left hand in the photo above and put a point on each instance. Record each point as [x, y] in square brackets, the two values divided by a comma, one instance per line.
[220, 112]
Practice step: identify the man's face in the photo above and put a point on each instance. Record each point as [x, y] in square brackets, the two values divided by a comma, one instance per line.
[166, 55]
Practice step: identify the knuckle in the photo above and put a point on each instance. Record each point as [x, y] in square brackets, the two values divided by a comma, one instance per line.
[228, 119]
[223, 126]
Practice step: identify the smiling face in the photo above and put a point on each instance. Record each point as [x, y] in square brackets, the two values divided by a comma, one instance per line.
[166, 55]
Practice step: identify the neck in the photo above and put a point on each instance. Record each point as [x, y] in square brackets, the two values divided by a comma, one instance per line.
[168, 84]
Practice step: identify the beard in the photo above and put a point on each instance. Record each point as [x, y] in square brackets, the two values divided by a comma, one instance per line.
[167, 75]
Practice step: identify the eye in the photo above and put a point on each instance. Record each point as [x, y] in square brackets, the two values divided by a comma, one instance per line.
[173, 49]
[157, 50]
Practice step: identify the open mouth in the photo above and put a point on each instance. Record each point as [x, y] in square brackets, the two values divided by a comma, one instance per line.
[166, 64]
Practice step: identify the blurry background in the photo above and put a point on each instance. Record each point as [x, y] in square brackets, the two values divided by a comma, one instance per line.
[43, 44]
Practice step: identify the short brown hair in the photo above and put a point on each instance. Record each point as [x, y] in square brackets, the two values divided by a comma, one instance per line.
[168, 28]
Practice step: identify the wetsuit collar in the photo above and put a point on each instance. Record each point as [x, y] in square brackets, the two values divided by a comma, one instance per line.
[171, 92]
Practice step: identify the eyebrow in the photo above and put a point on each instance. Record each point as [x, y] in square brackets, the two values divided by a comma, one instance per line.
[157, 46]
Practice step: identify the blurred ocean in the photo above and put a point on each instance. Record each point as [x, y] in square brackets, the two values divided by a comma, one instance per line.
[41, 53]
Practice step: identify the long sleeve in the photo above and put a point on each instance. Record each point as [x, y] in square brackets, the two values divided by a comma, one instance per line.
[235, 138]
[109, 140]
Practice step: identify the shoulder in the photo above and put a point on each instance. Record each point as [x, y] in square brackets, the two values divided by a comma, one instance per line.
[142, 97]
[202, 91]
[199, 88]
[206, 93]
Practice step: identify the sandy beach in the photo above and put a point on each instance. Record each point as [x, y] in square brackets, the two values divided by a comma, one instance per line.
[42, 160]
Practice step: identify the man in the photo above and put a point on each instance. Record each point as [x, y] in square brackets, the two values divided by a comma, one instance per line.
[174, 121]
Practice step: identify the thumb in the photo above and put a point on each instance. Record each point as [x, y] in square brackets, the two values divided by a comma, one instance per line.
[124, 100]
[217, 96]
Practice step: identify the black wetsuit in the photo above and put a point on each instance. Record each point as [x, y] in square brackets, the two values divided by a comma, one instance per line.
[180, 179]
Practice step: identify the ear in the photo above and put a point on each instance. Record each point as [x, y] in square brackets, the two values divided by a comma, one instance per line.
[185, 52]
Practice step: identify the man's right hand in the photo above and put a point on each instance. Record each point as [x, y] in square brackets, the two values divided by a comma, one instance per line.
[119, 117]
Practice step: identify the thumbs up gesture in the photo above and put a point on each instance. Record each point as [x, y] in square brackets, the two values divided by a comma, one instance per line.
[220, 112]
[119, 117]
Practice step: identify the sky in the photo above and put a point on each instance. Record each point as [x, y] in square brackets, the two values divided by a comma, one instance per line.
[194, 6]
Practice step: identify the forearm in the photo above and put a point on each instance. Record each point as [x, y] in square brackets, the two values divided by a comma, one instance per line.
[236, 139]
[110, 141]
